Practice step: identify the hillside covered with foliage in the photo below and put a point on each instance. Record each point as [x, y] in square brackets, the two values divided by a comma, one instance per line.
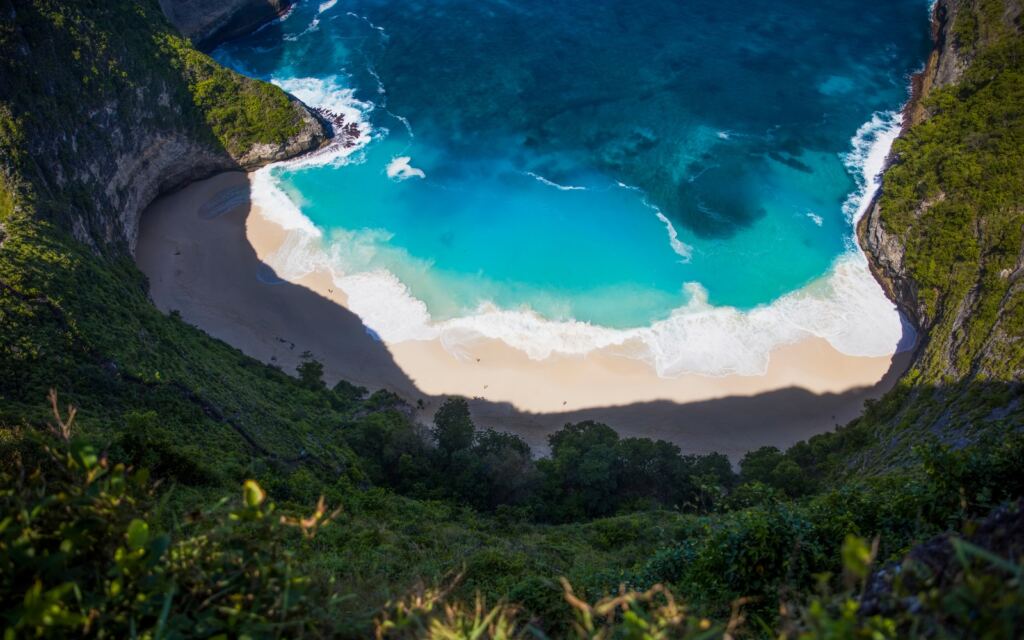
[174, 487]
[951, 212]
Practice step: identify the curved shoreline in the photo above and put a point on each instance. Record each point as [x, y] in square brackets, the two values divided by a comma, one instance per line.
[807, 386]
[212, 269]
[844, 306]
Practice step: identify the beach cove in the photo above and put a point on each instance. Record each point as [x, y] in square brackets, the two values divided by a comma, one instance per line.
[643, 234]
[204, 250]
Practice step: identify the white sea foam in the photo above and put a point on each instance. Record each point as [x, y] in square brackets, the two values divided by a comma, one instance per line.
[815, 218]
[313, 25]
[682, 249]
[278, 20]
[330, 93]
[846, 306]
[405, 122]
[866, 159]
[383, 34]
[400, 169]
[327, 93]
[276, 206]
[561, 187]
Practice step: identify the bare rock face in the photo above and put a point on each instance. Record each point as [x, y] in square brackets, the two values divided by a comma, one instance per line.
[885, 254]
[141, 161]
[884, 250]
[313, 134]
[945, 65]
[99, 159]
[208, 23]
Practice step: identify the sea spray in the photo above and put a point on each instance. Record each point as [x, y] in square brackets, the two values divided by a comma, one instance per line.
[866, 160]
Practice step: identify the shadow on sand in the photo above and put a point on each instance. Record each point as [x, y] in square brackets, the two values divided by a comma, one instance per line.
[236, 297]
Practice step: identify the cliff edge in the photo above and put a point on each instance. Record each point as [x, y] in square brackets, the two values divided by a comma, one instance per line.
[131, 111]
[944, 235]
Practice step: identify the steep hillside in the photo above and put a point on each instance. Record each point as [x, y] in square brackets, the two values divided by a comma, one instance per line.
[946, 232]
[102, 107]
[946, 239]
[150, 114]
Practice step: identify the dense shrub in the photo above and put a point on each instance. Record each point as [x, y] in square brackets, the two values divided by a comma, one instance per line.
[81, 554]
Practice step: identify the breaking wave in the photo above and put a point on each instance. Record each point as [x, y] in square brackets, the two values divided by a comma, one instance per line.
[845, 306]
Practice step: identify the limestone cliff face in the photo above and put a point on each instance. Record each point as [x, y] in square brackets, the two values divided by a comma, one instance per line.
[945, 65]
[206, 23]
[148, 161]
[123, 122]
[944, 237]
[884, 250]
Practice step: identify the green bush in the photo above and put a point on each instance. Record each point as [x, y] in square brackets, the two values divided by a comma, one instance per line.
[81, 554]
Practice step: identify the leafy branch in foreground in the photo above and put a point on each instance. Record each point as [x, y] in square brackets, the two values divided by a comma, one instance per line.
[79, 554]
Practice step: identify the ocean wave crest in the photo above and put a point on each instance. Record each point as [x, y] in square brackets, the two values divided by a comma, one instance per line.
[865, 161]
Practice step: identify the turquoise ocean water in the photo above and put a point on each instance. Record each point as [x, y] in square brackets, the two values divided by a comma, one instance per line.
[677, 179]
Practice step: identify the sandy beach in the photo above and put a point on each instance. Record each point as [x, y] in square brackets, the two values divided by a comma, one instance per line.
[203, 249]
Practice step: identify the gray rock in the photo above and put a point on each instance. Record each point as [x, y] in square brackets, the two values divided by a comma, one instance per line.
[208, 23]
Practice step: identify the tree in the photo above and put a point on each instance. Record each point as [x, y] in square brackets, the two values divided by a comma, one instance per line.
[757, 465]
[311, 372]
[655, 471]
[507, 463]
[581, 479]
[770, 466]
[453, 427]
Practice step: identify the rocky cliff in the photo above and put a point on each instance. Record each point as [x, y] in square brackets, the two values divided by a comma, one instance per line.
[885, 250]
[207, 23]
[156, 114]
[944, 236]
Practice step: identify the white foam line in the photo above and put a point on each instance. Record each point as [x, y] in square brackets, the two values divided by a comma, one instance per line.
[561, 187]
[845, 306]
[682, 249]
[866, 160]
[278, 20]
[383, 34]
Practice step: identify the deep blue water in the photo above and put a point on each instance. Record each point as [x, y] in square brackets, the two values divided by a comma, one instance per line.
[728, 125]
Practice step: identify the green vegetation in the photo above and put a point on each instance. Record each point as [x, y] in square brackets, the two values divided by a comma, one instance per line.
[77, 72]
[590, 473]
[123, 519]
[240, 112]
[954, 197]
[89, 546]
